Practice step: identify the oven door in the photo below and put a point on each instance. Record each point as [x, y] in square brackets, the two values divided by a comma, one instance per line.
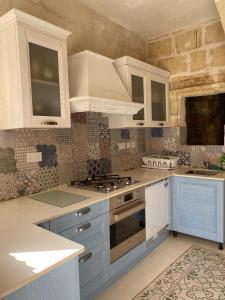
[127, 228]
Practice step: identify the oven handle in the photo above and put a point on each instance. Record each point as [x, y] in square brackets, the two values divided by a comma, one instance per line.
[123, 215]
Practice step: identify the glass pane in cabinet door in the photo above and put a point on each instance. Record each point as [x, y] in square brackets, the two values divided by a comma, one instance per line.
[44, 69]
[158, 91]
[137, 84]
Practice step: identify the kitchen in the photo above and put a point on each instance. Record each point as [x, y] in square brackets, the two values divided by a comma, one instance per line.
[95, 166]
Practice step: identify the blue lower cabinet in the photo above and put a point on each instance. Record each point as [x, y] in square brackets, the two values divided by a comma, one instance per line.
[198, 207]
[60, 283]
[91, 234]
[78, 217]
[94, 269]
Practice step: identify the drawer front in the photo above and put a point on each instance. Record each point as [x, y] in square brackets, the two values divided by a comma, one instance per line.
[94, 269]
[80, 216]
[91, 233]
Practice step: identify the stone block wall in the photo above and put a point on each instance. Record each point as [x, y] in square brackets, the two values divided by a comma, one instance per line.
[90, 30]
[196, 59]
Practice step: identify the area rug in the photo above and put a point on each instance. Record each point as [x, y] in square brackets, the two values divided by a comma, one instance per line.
[198, 274]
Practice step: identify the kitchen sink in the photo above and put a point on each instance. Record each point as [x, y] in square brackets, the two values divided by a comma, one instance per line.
[203, 172]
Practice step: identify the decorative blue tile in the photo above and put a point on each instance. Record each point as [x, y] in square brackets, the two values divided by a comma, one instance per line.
[49, 157]
[157, 132]
[125, 134]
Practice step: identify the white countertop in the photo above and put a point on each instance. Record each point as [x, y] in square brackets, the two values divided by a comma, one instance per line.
[28, 251]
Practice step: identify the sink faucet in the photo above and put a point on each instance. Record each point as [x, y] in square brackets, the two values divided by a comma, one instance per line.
[206, 164]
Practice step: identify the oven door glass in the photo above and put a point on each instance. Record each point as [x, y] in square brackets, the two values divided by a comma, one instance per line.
[126, 228]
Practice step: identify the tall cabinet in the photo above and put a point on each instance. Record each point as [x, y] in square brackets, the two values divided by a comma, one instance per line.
[34, 73]
[147, 85]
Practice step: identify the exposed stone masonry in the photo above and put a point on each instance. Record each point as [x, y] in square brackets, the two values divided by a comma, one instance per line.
[196, 59]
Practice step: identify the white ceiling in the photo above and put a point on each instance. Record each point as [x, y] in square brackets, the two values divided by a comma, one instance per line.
[150, 18]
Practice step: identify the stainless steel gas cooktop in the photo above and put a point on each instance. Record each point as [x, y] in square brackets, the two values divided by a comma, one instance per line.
[104, 183]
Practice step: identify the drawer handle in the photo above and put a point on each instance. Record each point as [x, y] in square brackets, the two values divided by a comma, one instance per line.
[82, 212]
[141, 124]
[85, 258]
[161, 124]
[83, 227]
[49, 123]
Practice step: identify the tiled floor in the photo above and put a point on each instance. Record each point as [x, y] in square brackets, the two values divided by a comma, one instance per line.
[151, 266]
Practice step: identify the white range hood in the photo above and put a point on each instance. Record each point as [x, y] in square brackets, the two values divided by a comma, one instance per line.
[96, 86]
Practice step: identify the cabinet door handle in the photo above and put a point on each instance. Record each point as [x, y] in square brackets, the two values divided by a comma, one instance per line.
[51, 123]
[85, 257]
[82, 212]
[141, 124]
[83, 227]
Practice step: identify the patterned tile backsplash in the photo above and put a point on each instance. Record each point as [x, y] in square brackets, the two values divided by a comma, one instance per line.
[88, 148]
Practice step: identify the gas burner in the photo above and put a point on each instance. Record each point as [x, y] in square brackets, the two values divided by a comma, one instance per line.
[104, 183]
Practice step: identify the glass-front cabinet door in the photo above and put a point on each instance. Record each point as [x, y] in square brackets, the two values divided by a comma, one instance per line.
[137, 84]
[47, 65]
[159, 101]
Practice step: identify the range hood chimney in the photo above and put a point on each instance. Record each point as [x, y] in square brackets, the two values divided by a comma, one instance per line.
[96, 86]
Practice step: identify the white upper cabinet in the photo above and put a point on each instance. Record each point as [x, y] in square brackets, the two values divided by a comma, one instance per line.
[33, 65]
[148, 85]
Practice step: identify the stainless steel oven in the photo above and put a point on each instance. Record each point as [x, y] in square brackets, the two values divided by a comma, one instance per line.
[127, 222]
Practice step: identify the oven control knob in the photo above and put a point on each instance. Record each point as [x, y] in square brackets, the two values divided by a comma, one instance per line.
[115, 187]
[108, 189]
[127, 182]
[132, 181]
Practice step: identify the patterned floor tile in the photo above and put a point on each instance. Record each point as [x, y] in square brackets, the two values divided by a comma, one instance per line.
[7, 161]
[9, 186]
[21, 158]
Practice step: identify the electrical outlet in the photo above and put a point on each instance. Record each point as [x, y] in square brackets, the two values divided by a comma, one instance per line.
[34, 157]
[122, 146]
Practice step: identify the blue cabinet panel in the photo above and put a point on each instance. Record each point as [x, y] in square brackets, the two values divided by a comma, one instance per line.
[94, 267]
[60, 283]
[198, 207]
[80, 216]
[91, 234]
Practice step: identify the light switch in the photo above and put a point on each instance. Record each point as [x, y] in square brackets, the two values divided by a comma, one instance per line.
[34, 157]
